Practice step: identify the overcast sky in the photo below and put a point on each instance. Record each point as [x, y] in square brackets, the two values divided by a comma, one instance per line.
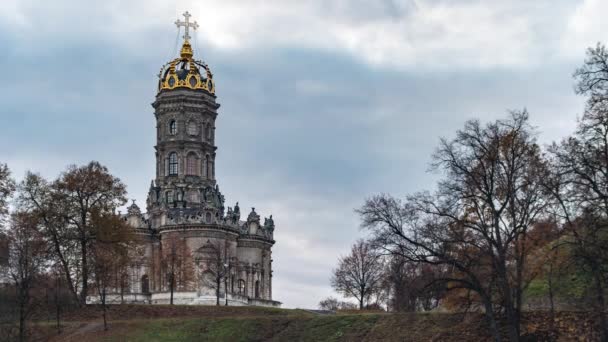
[324, 103]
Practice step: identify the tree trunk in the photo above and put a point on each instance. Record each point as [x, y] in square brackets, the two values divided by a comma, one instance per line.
[551, 301]
[492, 320]
[601, 306]
[171, 286]
[217, 291]
[85, 272]
[22, 336]
[58, 306]
[103, 305]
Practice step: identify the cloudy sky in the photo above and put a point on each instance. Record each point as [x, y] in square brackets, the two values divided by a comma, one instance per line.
[324, 103]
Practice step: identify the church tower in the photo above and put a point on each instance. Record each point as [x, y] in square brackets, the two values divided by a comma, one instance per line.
[185, 111]
[186, 219]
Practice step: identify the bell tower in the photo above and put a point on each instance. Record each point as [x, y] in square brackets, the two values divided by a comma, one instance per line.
[185, 111]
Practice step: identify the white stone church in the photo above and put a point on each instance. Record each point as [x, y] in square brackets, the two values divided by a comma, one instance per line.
[187, 229]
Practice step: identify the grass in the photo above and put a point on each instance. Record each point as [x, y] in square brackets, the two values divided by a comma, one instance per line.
[188, 323]
[292, 328]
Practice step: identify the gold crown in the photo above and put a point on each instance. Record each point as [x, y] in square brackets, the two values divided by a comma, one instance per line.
[185, 72]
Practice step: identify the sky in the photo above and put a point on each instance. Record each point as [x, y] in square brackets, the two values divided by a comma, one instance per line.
[324, 103]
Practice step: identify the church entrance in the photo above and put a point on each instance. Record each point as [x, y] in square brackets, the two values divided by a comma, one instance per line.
[145, 284]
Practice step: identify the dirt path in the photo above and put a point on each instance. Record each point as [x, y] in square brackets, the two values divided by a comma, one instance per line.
[76, 333]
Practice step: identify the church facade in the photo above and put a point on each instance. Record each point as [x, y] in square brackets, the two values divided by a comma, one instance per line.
[194, 244]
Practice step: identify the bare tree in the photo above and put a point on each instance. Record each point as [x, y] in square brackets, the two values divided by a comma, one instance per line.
[476, 223]
[359, 274]
[27, 259]
[176, 263]
[333, 304]
[39, 197]
[411, 285]
[7, 186]
[216, 262]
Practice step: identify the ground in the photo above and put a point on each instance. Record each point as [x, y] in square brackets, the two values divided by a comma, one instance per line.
[200, 323]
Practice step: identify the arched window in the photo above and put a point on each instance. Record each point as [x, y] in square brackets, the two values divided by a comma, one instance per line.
[172, 127]
[208, 132]
[208, 217]
[257, 289]
[242, 287]
[145, 284]
[173, 163]
[191, 164]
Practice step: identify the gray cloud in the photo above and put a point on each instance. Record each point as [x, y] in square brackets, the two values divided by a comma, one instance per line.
[314, 118]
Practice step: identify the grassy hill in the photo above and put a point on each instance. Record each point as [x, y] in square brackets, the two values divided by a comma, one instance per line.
[191, 323]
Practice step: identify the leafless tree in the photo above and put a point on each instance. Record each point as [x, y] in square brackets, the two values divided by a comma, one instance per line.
[7, 186]
[217, 262]
[176, 263]
[411, 285]
[359, 274]
[333, 304]
[39, 197]
[476, 223]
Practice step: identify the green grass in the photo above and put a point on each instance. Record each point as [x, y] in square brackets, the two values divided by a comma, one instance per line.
[293, 328]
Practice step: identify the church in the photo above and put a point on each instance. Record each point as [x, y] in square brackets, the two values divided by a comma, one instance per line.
[195, 250]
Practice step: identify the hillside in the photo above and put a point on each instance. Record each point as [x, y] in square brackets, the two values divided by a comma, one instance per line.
[191, 323]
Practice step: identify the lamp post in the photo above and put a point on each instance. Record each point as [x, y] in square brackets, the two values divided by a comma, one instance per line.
[226, 275]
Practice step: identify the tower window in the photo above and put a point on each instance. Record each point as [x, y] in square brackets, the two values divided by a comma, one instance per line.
[172, 127]
[192, 128]
[191, 165]
[169, 197]
[173, 163]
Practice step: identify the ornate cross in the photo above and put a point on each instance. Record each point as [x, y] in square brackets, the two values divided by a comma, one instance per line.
[186, 24]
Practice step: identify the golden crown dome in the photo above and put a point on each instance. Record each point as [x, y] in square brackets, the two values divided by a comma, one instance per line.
[185, 71]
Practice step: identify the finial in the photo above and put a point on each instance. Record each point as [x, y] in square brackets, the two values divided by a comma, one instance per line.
[186, 24]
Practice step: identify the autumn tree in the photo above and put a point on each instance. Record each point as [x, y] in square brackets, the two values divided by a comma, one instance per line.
[359, 274]
[65, 207]
[474, 225]
[411, 285]
[176, 264]
[26, 263]
[579, 181]
[114, 238]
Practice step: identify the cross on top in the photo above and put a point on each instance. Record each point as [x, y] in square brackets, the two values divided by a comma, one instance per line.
[186, 24]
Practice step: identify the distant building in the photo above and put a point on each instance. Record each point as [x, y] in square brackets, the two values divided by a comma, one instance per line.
[185, 205]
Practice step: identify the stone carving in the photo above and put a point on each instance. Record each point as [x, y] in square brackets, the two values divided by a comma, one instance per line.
[133, 210]
[253, 216]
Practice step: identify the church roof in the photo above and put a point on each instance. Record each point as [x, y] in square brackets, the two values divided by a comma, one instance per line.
[185, 71]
